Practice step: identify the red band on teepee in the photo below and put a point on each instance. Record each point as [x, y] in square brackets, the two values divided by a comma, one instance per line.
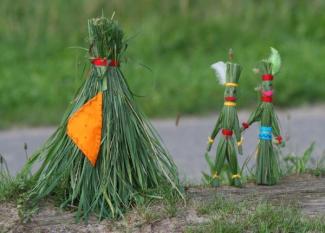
[267, 77]
[267, 99]
[99, 61]
[230, 98]
[227, 132]
[103, 62]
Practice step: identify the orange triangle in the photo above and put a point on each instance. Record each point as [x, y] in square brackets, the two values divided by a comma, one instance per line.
[85, 127]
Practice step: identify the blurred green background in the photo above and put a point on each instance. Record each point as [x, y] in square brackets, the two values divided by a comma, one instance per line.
[177, 39]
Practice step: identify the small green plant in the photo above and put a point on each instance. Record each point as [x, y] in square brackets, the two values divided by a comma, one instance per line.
[3, 165]
[319, 169]
[5, 178]
[14, 189]
[11, 187]
[158, 203]
[170, 200]
[25, 211]
[148, 213]
[298, 164]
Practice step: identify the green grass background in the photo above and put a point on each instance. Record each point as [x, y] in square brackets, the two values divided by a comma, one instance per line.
[177, 39]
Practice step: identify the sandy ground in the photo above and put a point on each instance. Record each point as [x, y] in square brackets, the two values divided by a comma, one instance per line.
[307, 193]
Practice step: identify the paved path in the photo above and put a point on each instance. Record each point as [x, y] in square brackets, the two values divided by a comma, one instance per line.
[187, 141]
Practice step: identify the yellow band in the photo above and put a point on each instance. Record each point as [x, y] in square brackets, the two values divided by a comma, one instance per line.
[210, 140]
[215, 175]
[229, 103]
[240, 142]
[231, 84]
[235, 176]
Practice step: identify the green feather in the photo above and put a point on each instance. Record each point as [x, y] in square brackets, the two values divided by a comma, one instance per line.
[275, 61]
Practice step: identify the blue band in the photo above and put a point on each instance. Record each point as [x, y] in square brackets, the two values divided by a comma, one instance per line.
[266, 129]
[265, 133]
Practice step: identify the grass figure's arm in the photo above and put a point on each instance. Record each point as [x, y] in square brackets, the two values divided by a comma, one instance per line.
[238, 136]
[215, 132]
[276, 129]
[255, 116]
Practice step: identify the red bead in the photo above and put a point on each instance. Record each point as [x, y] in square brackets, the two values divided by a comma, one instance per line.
[113, 63]
[245, 125]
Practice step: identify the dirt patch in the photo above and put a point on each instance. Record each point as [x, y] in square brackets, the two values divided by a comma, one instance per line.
[308, 192]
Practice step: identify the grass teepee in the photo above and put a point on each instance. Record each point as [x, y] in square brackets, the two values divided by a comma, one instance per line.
[105, 156]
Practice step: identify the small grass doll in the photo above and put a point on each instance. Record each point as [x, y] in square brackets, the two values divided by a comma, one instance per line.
[105, 156]
[230, 140]
[267, 166]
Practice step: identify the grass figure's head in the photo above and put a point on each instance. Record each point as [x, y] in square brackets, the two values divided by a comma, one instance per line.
[228, 74]
[233, 72]
[105, 38]
[270, 67]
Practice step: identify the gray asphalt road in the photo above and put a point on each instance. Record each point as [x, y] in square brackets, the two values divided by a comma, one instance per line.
[187, 141]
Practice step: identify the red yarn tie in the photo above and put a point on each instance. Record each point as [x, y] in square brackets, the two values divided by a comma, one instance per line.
[230, 98]
[267, 99]
[267, 77]
[99, 61]
[104, 62]
[227, 132]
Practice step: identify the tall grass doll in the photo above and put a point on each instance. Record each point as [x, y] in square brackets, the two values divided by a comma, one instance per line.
[105, 156]
[230, 140]
[267, 165]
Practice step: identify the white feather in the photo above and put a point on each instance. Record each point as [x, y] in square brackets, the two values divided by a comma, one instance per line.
[220, 69]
